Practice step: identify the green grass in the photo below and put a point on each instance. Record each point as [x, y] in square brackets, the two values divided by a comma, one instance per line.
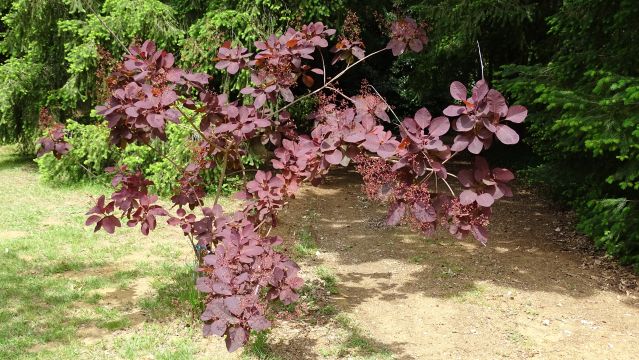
[60, 283]
[58, 279]
[355, 344]
[258, 348]
[328, 279]
[305, 246]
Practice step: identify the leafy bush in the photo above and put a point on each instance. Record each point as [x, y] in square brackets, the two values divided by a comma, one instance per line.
[91, 153]
[89, 156]
[585, 127]
[614, 224]
[241, 269]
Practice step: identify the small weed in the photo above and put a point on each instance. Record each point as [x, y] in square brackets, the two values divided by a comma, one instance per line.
[305, 245]
[328, 278]
[112, 319]
[327, 310]
[474, 294]
[356, 343]
[258, 347]
[516, 337]
[448, 270]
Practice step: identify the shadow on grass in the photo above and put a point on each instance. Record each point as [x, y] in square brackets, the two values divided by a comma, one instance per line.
[10, 160]
[38, 305]
[175, 296]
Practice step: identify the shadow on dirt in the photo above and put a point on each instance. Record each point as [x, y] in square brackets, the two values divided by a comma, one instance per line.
[524, 251]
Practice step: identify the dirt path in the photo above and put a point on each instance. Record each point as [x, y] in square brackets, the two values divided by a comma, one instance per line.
[537, 290]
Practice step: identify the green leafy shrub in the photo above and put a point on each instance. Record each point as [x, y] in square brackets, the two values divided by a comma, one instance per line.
[584, 125]
[614, 223]
[91, 153]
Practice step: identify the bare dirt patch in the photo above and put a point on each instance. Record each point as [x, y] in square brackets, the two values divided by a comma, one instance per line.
[537, 290]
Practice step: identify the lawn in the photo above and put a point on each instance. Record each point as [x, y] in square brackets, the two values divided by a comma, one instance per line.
[68, 293]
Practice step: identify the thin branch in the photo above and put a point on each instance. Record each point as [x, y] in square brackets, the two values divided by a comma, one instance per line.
[481, 60]
[126, 49]
[334, 89]
[449, 188]
[330, 81]
[179, 168]
[323, 66]
[220, 181]
[387, 104]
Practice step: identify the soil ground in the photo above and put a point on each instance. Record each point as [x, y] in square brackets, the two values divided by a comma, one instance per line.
[537, 290]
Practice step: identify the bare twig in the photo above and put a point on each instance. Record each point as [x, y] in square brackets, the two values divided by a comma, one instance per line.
[330, 81]
[220, 181]
[323, 66]
[387, 104]
[126, 49]
[334, 89]
[481, 60]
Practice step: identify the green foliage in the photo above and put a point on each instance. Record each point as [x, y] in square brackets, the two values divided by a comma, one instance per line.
[91, 153]
[508, 32]
[614, 223]
[52, 55]
[244, 22]
[585, 124]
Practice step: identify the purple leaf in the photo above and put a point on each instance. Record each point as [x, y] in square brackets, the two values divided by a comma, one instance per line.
[395, 213]
[109, 224]
[485, 200]
[252, 250]
[168, 97]
[466, 177]
[480, 90]
[482, 170]
[458, 91]
[503, 175]
[454, 110]
[222, 289]
[467, 197]
[479, 233]
[260, 100]
[387, 150]
[155, 120]
[259, 323]
[461, 142]
[517, 114]
[422, 117]
[232, 68]
[475, 146]
[334, 157]
[287, 94]
[423, 212]
[217, 328]
[416, 45]
[439, 126]
[236, 338]
[507, 135]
